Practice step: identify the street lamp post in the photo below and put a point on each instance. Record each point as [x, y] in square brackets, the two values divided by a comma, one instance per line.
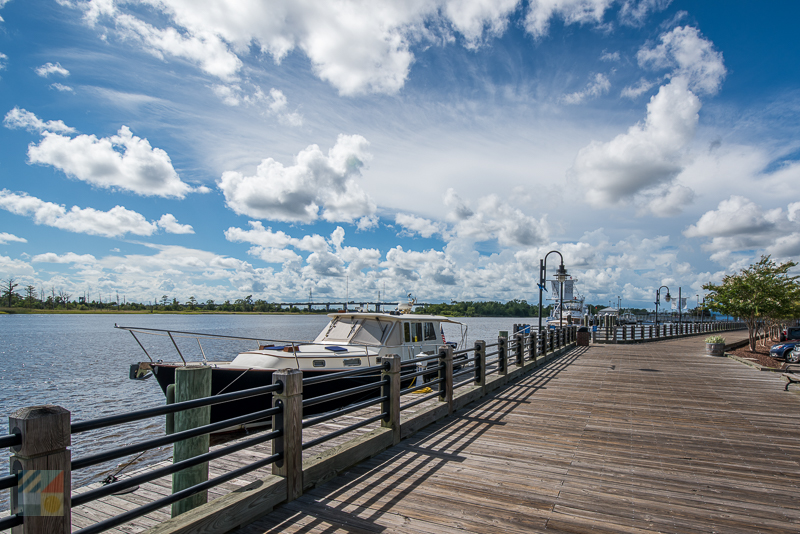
[680, 308]
[561, 275]
[658, 297]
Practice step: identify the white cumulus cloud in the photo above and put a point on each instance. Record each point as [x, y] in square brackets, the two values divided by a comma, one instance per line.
[298, 192]
[122, 161]
[358, 47]
[171, 225]
[739, 224]
[6, 238]
[51, 68]
[21, 118]
[641, 165]
[115, 222]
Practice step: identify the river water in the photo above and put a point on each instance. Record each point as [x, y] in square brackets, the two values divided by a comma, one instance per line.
[81, 362]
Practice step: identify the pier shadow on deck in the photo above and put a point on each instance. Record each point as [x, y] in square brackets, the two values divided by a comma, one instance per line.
[629, 438]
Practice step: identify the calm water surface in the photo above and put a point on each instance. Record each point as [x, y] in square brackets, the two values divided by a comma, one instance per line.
[81, 362]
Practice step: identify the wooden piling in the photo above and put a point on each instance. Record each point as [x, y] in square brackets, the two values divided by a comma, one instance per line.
[291, 420]
[480, 364]
[191, 383]
[502, 355]
[446, 391]
[392, 390]
[42, 462]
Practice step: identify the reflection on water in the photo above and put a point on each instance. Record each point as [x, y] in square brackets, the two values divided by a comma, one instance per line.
[81, 362]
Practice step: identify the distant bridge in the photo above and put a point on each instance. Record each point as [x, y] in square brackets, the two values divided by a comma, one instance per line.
[346, 306]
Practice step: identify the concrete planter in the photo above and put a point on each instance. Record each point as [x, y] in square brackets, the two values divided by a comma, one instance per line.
[715, 349]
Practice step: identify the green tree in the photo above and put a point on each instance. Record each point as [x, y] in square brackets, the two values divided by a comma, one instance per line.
[192, 302]
[763, 290]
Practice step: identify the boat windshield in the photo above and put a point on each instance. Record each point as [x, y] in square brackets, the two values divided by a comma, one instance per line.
[354, 330]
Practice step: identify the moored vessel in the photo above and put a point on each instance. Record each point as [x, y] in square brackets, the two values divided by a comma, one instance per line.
[351, 340]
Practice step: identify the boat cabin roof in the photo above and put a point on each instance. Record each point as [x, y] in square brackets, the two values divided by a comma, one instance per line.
[392, 317]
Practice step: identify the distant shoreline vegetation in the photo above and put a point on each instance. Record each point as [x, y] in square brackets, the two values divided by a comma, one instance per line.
[29, 299]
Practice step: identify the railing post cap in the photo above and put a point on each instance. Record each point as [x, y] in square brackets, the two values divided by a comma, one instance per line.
[292, 380]
[47, 425]
[394, 363]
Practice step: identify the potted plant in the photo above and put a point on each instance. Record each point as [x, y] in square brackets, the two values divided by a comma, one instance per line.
[715, 345]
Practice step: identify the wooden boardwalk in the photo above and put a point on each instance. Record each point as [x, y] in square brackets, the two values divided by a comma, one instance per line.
[655, 437]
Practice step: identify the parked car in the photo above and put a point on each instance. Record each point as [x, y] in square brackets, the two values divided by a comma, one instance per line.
[794, 356]
[791, 333]
[782, 350]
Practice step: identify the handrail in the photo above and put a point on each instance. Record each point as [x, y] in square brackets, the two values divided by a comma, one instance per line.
[342, 374]
[344, 411]
[343, 393]
[149, 476]
[175, 497]
[170, 438]
[102, 422]
[11, 521]
[11, 440]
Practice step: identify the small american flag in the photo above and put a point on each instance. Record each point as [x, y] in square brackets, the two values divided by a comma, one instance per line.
[442, 331]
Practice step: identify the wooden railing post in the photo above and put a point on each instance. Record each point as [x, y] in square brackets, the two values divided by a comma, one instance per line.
[191, 383]
[446, 387]
[42, 465]
[480, 363]
[520, 349]
[391, 407]
[533, 343]
[502, 355]
[291, 421]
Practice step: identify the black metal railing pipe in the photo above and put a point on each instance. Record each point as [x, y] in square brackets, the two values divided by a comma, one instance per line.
[337, 433]
[343, 374]
[175, 497]
[7, 523]
[344, 411]
[8, 482]
[467, 382]
[149, 476]
[471, 371]
[416, 388]
[343, 393]
[420, 373]
[406, 363]
[103, 422]
[434, 395]
[11, 440]
[463, 351]
[171, 438]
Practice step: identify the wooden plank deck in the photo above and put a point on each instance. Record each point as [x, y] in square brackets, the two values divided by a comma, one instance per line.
[655, 437]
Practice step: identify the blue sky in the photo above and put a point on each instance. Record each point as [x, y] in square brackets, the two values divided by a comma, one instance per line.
[220, 149]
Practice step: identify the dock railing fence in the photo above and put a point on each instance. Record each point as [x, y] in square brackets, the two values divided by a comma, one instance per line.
[39, 437]
[640, 333]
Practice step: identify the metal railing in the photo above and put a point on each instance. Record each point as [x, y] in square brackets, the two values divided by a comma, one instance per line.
[639, 333]
[380, 392]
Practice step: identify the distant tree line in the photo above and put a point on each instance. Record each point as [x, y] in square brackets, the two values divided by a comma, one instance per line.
[30, 297]
[512, 308]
